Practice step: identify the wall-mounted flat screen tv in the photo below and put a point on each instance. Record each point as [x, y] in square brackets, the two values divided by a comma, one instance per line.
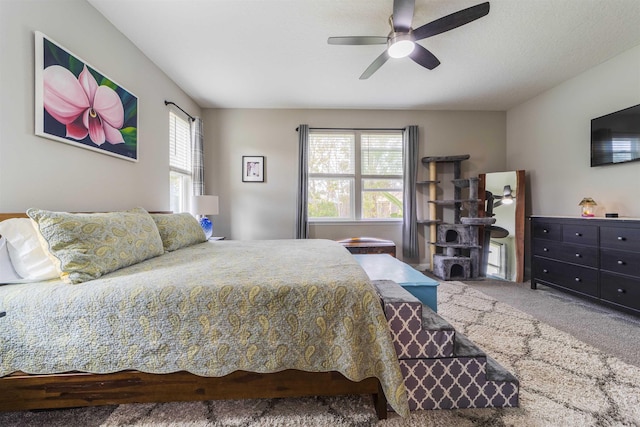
[615, 138]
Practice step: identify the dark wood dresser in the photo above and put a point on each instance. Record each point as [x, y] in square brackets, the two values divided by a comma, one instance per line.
[596, 258]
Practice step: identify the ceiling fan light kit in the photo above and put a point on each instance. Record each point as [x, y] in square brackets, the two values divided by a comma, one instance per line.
[400, 45]
[507, 195]
[401, 42]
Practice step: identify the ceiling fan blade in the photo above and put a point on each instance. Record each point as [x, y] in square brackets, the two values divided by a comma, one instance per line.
[380, 60]
[452, 21]
[402, 15]
[357, 40]
[422, 56]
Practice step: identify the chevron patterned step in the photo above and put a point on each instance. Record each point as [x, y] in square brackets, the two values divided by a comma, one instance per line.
[470, 379]
[417, 331]
[455, 383]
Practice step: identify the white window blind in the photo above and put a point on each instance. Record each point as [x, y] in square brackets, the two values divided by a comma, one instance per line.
[331, 153]
[381, 154]
[180, 172]
[180, 144]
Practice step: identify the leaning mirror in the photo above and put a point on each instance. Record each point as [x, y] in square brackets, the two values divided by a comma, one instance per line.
[503, 197]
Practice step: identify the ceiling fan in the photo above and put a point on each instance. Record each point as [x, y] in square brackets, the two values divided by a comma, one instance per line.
[401, 41]
[507, 197]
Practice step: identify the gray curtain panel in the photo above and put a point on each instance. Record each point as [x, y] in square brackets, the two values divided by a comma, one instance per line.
[410, 247]
[197, 156]
[302, 222]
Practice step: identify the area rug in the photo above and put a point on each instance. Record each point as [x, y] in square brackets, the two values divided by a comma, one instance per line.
[563, 382]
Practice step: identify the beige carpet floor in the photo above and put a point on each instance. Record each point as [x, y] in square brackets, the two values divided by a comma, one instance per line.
[563, 382]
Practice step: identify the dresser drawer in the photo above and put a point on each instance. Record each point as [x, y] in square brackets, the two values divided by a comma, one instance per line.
[620, 261]
[577, 278]
[626, 239]
[620, 290]
[580, 234]
[576, 254]
[549, 231]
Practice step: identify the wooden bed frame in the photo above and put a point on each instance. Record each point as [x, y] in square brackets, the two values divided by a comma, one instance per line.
[20, 391]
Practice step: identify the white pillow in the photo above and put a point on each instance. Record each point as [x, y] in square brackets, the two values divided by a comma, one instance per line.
[28, 258]
[7, 272]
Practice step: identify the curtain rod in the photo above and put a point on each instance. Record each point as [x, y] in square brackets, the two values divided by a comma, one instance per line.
[193, 119]
[394, 129]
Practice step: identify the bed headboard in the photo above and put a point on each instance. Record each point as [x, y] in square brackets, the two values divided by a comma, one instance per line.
[4, 216]
[10, 215]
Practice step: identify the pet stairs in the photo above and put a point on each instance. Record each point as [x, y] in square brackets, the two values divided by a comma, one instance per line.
[442, 369]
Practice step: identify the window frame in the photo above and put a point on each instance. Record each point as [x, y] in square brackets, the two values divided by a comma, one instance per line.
[357, 179]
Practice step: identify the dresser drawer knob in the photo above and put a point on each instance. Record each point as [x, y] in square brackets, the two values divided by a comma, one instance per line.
[578, 279]
[545, 249]
[622, 239]
[544, 230]
[578, 234]
[578, 255]
[621, 291]
[545, 270]
[620, 262]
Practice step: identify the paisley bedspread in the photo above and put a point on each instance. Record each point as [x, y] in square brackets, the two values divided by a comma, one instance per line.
[209, 309]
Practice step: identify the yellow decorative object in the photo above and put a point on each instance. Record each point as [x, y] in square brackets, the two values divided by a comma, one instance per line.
[587, 205]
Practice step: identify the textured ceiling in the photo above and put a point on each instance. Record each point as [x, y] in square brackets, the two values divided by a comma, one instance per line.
[274, 53]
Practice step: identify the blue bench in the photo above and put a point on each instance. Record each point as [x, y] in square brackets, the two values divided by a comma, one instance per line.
[386, 267]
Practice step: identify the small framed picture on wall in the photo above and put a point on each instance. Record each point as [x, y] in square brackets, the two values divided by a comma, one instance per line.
[253, 169]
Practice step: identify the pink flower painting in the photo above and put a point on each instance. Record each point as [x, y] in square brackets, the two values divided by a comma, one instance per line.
[78, 105]
[82, 106]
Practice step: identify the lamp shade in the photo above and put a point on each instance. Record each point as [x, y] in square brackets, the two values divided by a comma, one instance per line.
[587, 201]
[205, 205]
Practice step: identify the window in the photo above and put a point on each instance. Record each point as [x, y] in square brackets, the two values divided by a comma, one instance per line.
[624, 149]
[179, 164]
[355, 175]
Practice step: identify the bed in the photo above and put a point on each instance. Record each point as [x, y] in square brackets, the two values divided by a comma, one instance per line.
[201, 321]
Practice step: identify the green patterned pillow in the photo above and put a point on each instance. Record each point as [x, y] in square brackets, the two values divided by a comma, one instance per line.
[87, 246]
[178, 230]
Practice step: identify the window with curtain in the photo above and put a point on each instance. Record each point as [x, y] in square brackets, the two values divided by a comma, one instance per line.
[179, 164]
[355, 175]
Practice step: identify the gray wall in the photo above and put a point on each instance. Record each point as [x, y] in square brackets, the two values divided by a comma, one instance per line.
[267, 210]
[549, 137]
[39, 172]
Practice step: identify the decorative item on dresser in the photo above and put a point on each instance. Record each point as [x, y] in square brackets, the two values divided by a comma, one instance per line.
[587, 206]
[598, 258]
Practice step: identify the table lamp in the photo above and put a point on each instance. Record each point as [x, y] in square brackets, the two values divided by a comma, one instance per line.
[203, 206]
[587, 205]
